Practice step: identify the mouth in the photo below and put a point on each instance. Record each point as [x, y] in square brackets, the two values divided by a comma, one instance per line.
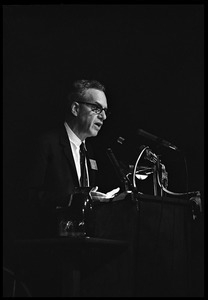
[98, 125]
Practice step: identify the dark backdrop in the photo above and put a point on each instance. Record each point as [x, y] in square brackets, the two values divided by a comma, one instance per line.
[149, 57]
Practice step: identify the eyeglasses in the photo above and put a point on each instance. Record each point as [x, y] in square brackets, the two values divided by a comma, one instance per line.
[96, 108]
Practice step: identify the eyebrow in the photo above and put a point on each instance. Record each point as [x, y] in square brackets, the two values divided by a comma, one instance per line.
[99, 105]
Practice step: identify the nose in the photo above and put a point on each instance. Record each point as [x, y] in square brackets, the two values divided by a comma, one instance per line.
[102, 115]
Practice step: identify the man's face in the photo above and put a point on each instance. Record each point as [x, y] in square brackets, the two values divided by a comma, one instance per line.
[88, 121]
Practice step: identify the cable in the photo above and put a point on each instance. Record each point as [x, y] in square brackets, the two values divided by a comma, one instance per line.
[15, 283]
[174, 193]
[135, 166]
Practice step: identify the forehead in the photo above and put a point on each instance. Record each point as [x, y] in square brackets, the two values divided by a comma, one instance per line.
[96, 96]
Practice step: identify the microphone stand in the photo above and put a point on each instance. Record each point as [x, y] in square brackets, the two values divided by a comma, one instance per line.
[156, 175]
[155, 170]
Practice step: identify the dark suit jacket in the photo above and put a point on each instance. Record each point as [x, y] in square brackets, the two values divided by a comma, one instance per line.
[54, 175]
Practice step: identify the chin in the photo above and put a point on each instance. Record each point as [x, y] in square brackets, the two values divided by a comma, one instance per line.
[94, 133]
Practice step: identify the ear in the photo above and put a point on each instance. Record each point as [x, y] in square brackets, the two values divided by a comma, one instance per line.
[75, 108]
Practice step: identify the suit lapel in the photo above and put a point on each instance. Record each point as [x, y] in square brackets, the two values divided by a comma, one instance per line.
[64, 141]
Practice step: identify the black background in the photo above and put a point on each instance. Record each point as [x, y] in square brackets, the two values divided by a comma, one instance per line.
[149, 57]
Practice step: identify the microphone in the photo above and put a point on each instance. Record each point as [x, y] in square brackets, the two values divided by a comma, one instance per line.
[149, 155]
[157, 139]
[116, 165]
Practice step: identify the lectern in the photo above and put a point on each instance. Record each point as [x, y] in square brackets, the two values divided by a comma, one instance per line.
[140, 247]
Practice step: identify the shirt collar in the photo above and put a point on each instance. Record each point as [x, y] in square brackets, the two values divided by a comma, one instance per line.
[73, 137]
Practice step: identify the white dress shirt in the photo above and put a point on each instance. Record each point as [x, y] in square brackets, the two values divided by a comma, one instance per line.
[75, 144]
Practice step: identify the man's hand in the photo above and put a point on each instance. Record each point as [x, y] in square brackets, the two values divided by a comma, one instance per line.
[103, 197]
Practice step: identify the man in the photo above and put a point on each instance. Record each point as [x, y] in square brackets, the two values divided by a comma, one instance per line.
[59, 173]
[57, 168]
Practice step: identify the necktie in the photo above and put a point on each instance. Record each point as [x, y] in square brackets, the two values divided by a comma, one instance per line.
[83, 179]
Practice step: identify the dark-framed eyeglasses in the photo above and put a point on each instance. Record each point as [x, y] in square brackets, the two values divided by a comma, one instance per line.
[96, 108]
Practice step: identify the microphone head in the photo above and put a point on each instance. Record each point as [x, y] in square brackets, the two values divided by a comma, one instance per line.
[120, 140]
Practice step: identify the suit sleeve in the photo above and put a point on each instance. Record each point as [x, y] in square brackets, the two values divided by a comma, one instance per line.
[40, 193]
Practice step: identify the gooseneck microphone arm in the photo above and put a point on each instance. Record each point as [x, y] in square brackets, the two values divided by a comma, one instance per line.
[116, 165]
[157, 139]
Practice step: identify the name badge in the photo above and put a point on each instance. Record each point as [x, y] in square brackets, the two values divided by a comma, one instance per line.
[93, 164]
